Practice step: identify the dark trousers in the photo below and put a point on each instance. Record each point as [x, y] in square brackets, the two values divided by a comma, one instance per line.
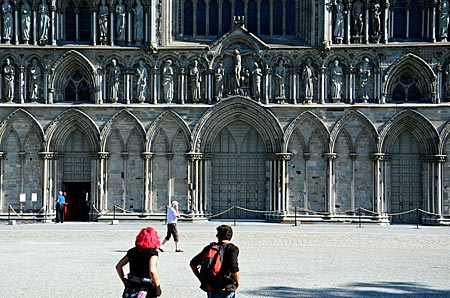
[59, 212]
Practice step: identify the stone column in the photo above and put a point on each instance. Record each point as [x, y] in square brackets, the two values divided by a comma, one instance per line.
[331, 182]
[182, 88]
[433, 31]
[102, 184]
[323, 90]
[348, 10]
[266, 84]
[386, 6]
[129, 25]
[440, 86]
[170, 176]
[351, 71]
[270, 17]
[52, 29]
[112, 22]
[34, 8]
[306, 157]
[125, 156]
[209, 87]
[379, 171]
[94, 24]
[22, 79]
[194, 18]
[2, 157]
[195, 182]
[16, 8]
[49, 179]
[155, 85]
[279, 182]
[148, 181]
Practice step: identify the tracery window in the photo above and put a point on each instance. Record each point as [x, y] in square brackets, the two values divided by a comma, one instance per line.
[76, 88]
[407, 88]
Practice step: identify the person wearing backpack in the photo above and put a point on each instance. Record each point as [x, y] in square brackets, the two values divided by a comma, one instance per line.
[216, 266]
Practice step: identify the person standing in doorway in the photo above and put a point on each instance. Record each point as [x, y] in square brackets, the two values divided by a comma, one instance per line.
[172, 218]
[60, 203]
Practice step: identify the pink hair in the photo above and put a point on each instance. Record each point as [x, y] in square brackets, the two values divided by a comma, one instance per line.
[147, 238]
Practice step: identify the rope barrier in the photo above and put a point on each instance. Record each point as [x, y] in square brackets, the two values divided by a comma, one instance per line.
[22, 216]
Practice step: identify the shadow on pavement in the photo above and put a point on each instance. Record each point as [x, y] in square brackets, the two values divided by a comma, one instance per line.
[379, 290]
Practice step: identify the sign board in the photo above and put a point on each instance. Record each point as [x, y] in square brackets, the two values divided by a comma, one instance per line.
[23, 197]
[34, 197]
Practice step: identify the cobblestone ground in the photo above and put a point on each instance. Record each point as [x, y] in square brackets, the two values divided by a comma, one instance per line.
[74, 260]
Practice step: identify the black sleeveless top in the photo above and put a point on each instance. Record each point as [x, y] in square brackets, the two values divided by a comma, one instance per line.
[139, 260]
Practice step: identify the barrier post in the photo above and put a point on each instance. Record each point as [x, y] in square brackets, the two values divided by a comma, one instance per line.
[9, 213]
[359, 217]
[234, 209]
[417, 218]
[114, 221]
[295, 215]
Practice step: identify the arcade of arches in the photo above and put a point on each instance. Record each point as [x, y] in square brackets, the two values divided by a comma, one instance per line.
[269, 105]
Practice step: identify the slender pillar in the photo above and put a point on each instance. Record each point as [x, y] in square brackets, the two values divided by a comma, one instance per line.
[385, 29]
[148, 204]
[331, 184]
[125, 156]
[433, 32]
[2, 158]
[170, 181]
[94, 25]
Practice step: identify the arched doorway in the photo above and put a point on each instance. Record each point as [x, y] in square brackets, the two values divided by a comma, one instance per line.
[406, 178]
[239, 172]
[77, 176]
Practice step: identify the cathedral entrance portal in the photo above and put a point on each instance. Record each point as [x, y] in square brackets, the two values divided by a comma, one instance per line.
[239, 172]
[406, 179]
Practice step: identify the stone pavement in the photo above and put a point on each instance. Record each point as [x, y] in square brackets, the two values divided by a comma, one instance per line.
[74, 260]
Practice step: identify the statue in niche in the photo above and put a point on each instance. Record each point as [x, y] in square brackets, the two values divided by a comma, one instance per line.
[168, 81]
[358, 14]
[114, 81]
[280, 74]
[443, 19]
[237, 69]
[141, 81]
[35, 80]
[103, 22]
[44, 23]
[337, 81]
[376, 19]
[7, 20]
[138, 21]
[256, 81]
[9, 72]
[309, 76]
[25, 16]
[339, 16]
[196, 79]
[120, 20]
[219, 77]
[364, 76]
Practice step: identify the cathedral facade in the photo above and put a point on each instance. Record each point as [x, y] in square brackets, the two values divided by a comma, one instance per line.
[253, 109]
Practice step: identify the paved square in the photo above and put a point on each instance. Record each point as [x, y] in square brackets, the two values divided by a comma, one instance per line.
[74, 260]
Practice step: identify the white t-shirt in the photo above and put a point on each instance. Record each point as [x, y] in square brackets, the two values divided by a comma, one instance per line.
[172, 215]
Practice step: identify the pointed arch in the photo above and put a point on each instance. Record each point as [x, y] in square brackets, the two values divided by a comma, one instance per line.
[364, 121]
[415, 123]
[111, 124]
[167, 116]
[410, 65]
[66, 65]
[321, 128]
[233, 109]
[12, 118]
[65, 124]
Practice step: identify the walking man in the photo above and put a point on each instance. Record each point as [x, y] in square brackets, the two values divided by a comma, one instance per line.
[172, 218]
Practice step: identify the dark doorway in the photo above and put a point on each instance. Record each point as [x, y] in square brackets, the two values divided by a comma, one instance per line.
[78, 200]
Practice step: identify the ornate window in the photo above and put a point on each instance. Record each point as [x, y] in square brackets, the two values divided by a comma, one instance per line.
[76, 87]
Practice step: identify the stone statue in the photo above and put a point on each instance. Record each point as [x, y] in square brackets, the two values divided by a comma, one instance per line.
[8, 76]
[364, 75]
[196, 79]
[358, 13]
[168, 81]
[280, 73]
[103, 22]
[35, 80]
[44, 22]
[443, 19]
[138, 21]
[114, 81]
[376, 21]
[309, 76]
[337, 80]
[7, 20]
[219, 77]
[237, 69]
[141, 81]
[25, 15]
[120, 20]
[256, 81]
[339, 16]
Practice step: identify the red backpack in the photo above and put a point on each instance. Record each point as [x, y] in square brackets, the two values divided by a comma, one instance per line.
[210, 266]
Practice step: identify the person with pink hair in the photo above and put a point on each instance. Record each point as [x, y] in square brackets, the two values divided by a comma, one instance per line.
[142, 281]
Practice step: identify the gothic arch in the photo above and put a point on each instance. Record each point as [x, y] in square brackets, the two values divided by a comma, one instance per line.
[8, 122]
[233, 109]
[415, 123]
[167, 116]
[425, 78]
[318, 123]
[66, 65]
[63, 125]
[342, 123]
[110, 125]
